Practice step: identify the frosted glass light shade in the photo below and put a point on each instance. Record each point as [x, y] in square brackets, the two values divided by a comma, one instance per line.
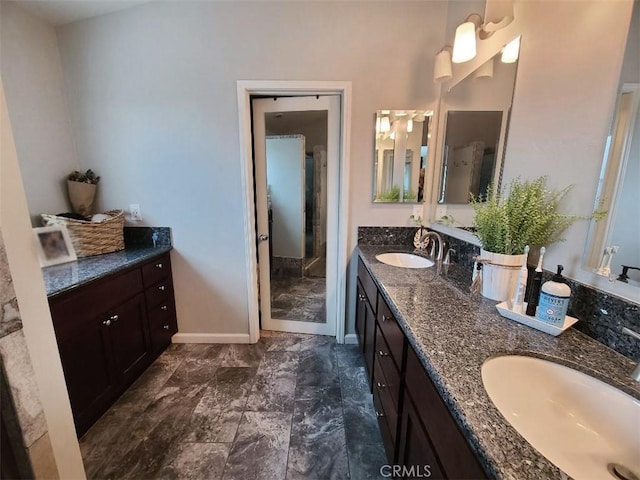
[464, 45]
[442, 69]
[485, 70]
[385, 125]
[511, 51]
[409, 126]
[497, 14]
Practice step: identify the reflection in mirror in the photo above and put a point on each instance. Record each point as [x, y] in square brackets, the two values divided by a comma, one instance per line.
[470, 146]
[402, 139]
[469, 154]
[613, 248]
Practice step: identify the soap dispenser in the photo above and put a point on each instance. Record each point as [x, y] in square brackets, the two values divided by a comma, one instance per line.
[554, 300]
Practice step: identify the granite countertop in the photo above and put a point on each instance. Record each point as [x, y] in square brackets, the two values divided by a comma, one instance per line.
[69, 276]
[454, 332]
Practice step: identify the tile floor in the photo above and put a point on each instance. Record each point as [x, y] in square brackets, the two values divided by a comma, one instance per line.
[299, 298]
[289, 407]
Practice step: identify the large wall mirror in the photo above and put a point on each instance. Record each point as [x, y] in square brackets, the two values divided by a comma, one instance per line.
[471, 139]
[400, 157]
[613, 248]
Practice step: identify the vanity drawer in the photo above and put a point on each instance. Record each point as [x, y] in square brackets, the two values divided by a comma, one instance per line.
[389, 370]
[92, 301]
[387, 440]
[156, 270]
[454, 454]
[391, 331]
[367, 282]
[162, 324]
[158, 293]
[382, 390]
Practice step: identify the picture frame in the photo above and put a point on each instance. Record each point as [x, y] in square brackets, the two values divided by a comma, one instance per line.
[53, 245]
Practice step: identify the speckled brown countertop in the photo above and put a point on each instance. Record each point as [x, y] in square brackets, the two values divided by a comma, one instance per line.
[454, 332]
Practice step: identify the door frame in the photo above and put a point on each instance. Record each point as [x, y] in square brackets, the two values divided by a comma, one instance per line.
[245, 89]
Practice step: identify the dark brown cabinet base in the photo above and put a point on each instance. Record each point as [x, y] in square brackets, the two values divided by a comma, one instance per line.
[108, 334]
[421, 437]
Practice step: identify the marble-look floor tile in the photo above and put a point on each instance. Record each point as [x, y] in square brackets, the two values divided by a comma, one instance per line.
[281, 344]
[318, 366]
[154, 377]
[275, 384]
[349, 356]
[218, 413]
[197, 461]
[193, 371]
[241, 355]
[366, 461]
[150, 441]
[318, 446]
[360, 421]
[261, 447]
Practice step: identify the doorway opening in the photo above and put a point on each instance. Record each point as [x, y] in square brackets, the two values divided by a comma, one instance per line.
[296, 204]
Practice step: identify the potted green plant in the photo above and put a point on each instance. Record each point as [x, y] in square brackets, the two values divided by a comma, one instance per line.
[81, 188]
[528, 214]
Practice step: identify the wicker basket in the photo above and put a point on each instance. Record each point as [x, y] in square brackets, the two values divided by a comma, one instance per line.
[92, 238]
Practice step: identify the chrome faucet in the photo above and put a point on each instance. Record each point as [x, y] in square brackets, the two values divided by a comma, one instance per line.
[434, 236]
[636, 371]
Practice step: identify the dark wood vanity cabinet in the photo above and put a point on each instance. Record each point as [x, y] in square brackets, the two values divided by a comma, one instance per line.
[106, 337]
[417, 428]
[366, 317]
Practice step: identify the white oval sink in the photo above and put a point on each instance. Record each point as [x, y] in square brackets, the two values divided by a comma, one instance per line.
[580, 424]
[404, 260]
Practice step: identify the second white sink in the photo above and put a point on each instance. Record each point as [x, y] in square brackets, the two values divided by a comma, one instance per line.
[580, 424]
[404, 260]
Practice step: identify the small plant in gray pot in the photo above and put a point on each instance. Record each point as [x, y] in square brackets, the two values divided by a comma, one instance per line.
[81, 188]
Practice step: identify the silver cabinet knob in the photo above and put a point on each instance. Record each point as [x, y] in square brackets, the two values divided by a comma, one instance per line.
[158, 265]
[164, 308]
[381, 386]
[114, 318]
[263, 237]
[162, 288]
[385, 318]
[379, 414]
[166, 327]
[383, 353]
[106, 322]
[361, 297]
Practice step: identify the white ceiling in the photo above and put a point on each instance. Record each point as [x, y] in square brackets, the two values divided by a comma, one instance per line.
[60, 12]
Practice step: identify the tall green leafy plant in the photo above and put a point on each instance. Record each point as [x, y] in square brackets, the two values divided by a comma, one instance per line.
[529, 214]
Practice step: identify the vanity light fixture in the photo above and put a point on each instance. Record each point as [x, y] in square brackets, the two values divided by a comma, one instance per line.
[497, 14]
[511, 51]
[385, 125]
[464, 44]
[485, 70]
[442, 70]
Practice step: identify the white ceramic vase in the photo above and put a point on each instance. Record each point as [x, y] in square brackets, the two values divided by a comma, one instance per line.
[500, 274]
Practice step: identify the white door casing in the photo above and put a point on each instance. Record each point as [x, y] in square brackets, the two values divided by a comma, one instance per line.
[337, 234]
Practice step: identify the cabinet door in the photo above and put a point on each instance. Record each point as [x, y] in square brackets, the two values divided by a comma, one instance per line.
[415, 451]
[129, 338]
[369, 340]
[89, 372]
[361, 312]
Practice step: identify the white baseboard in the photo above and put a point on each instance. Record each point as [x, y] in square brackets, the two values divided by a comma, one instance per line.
[211, 338]
[351, 339]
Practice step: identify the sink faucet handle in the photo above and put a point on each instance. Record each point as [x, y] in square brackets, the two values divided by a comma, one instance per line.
[447, 258]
